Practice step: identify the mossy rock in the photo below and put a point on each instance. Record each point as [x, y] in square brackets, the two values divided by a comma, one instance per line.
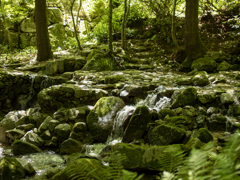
[22, 148]
[83, 168]
[70, 146]
[179, 120]
[113, 79]
[200, 79]
[193, 143]
[166, 135]
[204, 64]
[206, 96]
[11, 169]
[146, 157]
[137, 124]
[204, 135]
[101, 117]
[186, 97]
[164, 112]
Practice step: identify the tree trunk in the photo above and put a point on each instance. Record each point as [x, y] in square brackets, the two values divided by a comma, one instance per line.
[110, 46]
[124, 24]
[78, 24]
[74, 25]
[43, 43]
[193, 46]
[173, 26]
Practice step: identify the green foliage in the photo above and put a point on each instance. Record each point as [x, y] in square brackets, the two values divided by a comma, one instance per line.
[105, 64]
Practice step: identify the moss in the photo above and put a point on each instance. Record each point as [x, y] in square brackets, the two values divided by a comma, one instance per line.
[193, 143]
[22, 148]
[113, 79]
[11, 169]
[204, 135]
[186, 97]
[164, 112]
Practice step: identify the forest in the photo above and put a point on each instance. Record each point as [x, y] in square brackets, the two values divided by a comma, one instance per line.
[120, 89]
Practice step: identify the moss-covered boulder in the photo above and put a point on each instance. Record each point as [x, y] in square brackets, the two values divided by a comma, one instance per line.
[164, 112]
[204, 64]
[166, 134]
[200, 79]
[204, 135]
[227, 98]
[70, 146]
[101, 117]
[113, 79]
[137, 124]
[147, 157]
[45, 125]
[57, 35]
[14, 134]
[186, 97]
[33, 138]
[62, 131]
[217, 122]
[83, 168]
[224, 66]
[22, 148]
[54, 15]
[11, 169]
[193, 143]
[179, 121]
[206, 96]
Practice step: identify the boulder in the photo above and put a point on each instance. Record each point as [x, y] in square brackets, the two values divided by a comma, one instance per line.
[226, 98]
[84, 168]
[70, 146]
[223, 66]
[14, 134]
[11, 169]
[101, 117]
[62, 131]
[57, 35]
[45, 125]
[51, 68]
[217, 122]
[206, 96]
[180, 121]
[164, 112]
[186, 97]
[200, 79]
[166, 134]
[22, 148]
[147, 157]
[33, 138]
[137, 125]
[79, 127]
[113, 79]
[204, 135]
[193, 143]
[54, 15]
[28, 25]
[204, 64]
[28, 168]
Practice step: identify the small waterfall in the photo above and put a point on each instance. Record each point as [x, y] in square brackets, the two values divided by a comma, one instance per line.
[162, 103]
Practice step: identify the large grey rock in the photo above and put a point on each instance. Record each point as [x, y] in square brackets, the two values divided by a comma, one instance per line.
[137, 125]
[28, 25]
[22, 148]
[204, 64]
[101, 117]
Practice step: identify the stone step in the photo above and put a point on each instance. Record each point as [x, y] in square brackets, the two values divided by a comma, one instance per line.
[140, 61]
[147, 54]
[138, 66]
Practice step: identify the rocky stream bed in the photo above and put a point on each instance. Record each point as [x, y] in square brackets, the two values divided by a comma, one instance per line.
[70, 117]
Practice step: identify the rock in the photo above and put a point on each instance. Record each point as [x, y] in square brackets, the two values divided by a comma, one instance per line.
[11, 169]
[186, 97]
[193, 143]
[33, 138]
[60, 66]
[223, 66]
[113, 79]
[204, 135]
[28, 168]
[206, 96]
[84, 137]
[22, 148]
[70, 146]
[227, 98]
[204, 64]
[63, 131]
[200, 79]
[57, 35]
[183, 81]
[146, 157]
[54, 15]
[28, 25]
[14, 134]
[137, 124]
[79, 127]
[180, 121]
[132, 90]
[217, 122]
[52, 124]
[200, 120]
[45, 125]
[83, 167]
[26, 127]
[164, 112]
[51, 68]
[165, 135]
[101, 117]
[6, 124]
[46, 135]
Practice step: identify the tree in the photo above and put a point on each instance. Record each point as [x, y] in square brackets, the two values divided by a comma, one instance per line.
[74, 25]
[110, 46]
[43, 43]
[124, 24]
[173, 26]
[193, 46]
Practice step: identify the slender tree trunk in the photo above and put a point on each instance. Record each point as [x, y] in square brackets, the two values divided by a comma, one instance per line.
[110, 46]
[193, 46]
[43, 43]
[74, 25]
[78, 13]
[173, 26]
[124, 23]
